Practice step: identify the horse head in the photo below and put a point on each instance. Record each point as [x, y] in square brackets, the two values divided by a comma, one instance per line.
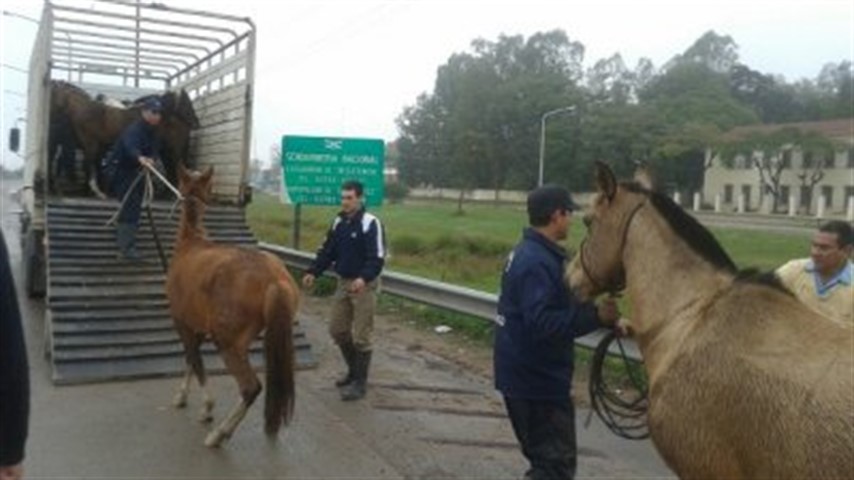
[65, 96]
[598, 266]
[196, 185]
[184, 109]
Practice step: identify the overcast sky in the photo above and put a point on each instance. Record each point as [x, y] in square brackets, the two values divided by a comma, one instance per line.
[349, 67]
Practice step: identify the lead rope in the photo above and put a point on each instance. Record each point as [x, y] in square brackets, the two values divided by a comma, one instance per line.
[147, 199]
[622, 410]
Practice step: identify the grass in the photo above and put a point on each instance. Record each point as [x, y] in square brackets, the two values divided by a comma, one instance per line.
[433, 241]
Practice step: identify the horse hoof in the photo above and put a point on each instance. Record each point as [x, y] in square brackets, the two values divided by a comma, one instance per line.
[205, 416]
[214, 439]
[180, 400]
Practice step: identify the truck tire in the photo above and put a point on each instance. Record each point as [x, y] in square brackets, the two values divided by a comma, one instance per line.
[34, 264]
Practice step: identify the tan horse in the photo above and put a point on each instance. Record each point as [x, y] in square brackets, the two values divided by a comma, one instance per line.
[745, 381]
[230, 295]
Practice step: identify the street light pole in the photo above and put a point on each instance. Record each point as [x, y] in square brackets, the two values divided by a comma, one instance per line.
[546, 115]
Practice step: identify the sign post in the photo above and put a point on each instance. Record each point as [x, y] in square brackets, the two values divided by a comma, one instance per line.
[315, 167]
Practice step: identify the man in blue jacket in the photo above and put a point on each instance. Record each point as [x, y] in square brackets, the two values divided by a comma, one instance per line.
[355, 245]
[138, 147]
[538, 321]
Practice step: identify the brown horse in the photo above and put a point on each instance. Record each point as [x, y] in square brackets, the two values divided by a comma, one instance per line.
[96, 125]
[230, 295]
[744, 380]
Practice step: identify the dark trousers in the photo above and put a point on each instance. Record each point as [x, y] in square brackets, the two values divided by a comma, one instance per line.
[131, 211]
[546, 432]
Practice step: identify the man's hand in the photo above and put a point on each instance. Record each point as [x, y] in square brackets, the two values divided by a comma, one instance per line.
[357, 286]
[146, 162]
[623, 328]
[308, 280]
[608, 312]
[12, 472]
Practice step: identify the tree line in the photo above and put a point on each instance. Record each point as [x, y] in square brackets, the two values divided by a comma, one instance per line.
[480, 126]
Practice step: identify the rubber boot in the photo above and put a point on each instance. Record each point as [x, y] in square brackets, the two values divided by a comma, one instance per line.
[357, 389]
[126, 241]
[348, 351]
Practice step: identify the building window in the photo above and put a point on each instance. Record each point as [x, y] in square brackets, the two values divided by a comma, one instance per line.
[851, 157]
[808, 160]
[745, 192]
[784, 195]
[806, 193]
[829, 160]
[787, 159]
[727, 193]
[849, 193]
[827, 191]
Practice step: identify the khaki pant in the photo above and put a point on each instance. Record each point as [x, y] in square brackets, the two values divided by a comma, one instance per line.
[353, 314]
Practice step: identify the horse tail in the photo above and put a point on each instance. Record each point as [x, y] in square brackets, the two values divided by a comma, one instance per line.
[279, 311]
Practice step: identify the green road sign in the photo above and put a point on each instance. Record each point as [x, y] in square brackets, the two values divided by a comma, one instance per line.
[315, 167]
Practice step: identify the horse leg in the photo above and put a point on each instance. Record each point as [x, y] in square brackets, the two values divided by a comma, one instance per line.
[91, 153]
[237, 362]
[195, 365]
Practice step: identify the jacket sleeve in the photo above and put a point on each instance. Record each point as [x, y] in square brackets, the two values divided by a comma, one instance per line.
[156, 145]
[374, 252]
[326, 253]
[547, 319]
[130, 145]
[14, 372]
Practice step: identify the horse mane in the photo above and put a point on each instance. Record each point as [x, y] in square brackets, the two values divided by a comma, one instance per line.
[62, 84]
[687, 227]
[768, 279]
[701, 240]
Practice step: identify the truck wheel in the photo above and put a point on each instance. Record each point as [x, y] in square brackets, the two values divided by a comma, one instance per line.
[34, 264]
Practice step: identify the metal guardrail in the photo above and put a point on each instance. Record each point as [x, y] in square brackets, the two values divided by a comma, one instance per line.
[442, 295]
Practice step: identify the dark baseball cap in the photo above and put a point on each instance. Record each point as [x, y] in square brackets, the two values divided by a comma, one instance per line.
[152, 104]
[543, 201]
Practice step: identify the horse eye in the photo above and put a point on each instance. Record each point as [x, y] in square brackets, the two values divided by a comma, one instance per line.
[588, 221]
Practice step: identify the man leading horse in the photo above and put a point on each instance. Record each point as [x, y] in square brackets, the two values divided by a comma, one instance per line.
[137, 148]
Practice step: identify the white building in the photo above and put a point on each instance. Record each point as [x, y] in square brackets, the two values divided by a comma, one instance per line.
[742, 183]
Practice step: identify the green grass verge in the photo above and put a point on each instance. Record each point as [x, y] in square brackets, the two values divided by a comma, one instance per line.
[434, 241]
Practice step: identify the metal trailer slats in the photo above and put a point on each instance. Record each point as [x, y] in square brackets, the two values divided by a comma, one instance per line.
[108, 319]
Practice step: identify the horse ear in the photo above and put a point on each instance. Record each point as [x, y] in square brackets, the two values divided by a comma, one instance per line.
[183, 175]
[643, 175]
[207, 174]
[606, 182]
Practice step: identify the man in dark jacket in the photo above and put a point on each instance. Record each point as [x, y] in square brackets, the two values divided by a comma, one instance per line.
[137, 148]
[14, 375]
[538, 321]
[355, 245]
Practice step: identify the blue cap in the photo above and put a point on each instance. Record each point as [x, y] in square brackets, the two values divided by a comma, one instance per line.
[543, 201]
[152, 104]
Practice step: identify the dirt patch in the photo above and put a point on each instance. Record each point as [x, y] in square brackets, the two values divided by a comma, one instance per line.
[466, 354]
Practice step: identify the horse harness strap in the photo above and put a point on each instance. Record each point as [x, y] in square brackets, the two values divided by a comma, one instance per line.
[621, 283]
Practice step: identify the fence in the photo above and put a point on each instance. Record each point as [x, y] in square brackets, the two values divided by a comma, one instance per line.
[441, 295]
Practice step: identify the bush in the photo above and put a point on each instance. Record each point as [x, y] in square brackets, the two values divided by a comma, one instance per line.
[409, 245]
[395, 192]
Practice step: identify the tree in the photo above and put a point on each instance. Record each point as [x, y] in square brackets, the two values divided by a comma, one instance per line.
[480, 125]
[718, 53]
[610, 81]
[772, 101]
